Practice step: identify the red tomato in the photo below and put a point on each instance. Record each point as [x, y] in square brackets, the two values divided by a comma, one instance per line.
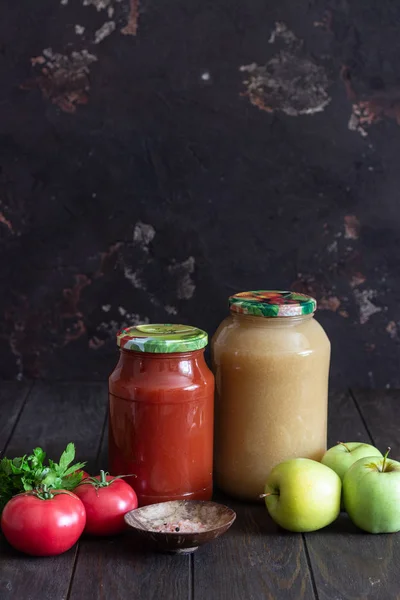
[106, 499]
[43, 527]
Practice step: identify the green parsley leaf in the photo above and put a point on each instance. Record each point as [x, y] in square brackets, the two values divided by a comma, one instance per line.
[67, 457]
[28, 472]
[72, 481]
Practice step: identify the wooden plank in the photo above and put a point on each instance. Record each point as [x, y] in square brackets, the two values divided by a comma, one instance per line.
[13, 396]
[53, 416]
[254, 559]
[347, 563]
[381, 413]
[121, 568]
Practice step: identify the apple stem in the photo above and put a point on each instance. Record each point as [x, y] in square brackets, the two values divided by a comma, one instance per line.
[384, 459]
[269, 494]
[345, 445]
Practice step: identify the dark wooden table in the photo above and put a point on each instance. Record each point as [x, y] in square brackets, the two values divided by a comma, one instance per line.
[253, 561]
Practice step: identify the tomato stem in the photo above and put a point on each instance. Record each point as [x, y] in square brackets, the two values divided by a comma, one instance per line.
[44, 493]
[102, 481]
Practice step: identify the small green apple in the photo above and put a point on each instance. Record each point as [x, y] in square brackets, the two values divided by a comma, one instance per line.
[343, 455]
[371, 494]
[303, 495]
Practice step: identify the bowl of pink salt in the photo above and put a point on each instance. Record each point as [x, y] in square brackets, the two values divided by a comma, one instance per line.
[180, 526]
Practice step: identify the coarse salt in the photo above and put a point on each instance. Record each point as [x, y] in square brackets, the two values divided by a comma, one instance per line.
[183, 526]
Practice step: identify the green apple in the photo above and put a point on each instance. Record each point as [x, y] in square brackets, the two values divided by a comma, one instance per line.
[303, 495]
[343, 455]
[371, 494]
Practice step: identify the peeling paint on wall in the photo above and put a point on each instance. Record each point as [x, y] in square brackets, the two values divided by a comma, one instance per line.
[143, 234]
[108, 260]
[330, 303]
[367, 111]
[134, 278]
[325, 22]
[366, 306]
[104, 31]
[358, 119]
[100, 4]
[184, 270]
[112, 327]
[107, 330]
[6, 222]
[351, 227]
[344, 258]
[69, 310]
[133, 19]
[333, 247]
[283, 32]
[357, 279]
[326, 300]
[131, 26]
[290, 82]
[62, 323]
[391, 328]
[35, 331]
[64, 79]
[179, 273]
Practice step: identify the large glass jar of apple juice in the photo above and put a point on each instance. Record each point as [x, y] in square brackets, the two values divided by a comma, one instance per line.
[271, 365]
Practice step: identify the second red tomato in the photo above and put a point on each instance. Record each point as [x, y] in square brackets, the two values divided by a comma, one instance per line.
[106, 499]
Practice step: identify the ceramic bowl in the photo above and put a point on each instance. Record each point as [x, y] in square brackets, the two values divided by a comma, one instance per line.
[198, 523]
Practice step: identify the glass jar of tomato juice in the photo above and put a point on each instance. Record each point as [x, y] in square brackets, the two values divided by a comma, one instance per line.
[271, 365]
[161, 413]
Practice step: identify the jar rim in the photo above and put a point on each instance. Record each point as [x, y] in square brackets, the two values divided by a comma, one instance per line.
[272, 303]
[163, 338]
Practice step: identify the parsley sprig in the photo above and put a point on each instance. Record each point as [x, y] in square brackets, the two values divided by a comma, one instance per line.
[30, 472]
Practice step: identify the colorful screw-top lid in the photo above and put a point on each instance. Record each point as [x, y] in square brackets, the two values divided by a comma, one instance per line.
[162, 338]
[272, 303]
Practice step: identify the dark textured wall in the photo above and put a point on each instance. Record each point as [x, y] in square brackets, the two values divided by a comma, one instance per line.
[157, 156]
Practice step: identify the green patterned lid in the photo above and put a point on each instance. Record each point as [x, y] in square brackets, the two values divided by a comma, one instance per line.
[162, 338]
[272, 303]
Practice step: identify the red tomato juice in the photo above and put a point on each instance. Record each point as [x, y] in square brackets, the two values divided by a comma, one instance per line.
[161, 410]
